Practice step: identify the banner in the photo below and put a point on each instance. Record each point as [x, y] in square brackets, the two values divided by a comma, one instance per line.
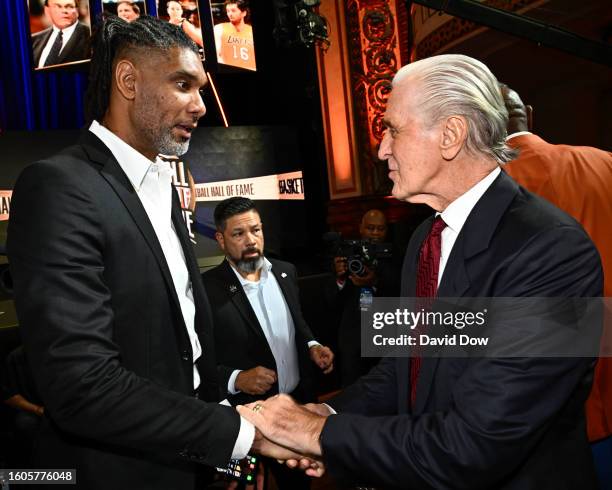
[269, 187]
[5, 204]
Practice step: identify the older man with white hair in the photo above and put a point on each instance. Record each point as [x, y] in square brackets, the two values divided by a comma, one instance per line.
[515, 422]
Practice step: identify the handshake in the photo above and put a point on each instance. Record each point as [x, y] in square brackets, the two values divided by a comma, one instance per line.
[288, 431]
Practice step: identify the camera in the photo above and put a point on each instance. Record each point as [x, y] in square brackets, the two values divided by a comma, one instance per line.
[359, 253]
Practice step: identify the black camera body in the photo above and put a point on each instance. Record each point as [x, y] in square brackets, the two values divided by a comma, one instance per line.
[361, 254]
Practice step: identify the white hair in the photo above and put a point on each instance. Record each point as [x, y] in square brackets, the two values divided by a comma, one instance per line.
[457, 85]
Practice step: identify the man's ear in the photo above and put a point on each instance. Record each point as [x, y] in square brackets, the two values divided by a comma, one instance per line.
[125, 78]
[220, 240]
[454, 134]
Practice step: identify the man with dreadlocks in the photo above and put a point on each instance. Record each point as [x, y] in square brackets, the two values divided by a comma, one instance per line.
[115, 320]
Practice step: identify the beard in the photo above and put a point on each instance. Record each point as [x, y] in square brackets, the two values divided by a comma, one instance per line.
[251, 264]
[159, 136]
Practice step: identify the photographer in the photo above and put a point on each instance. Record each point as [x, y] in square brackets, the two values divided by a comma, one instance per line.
[358, 279]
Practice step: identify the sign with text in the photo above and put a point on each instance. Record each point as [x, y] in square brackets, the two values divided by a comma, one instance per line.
[269, 187]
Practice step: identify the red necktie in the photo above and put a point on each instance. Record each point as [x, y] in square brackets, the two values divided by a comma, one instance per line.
[426, 287]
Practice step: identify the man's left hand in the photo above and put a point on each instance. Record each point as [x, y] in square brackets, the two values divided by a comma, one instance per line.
[323, 357]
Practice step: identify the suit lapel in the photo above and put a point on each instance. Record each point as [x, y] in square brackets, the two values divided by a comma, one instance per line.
[474, 238]
[116, 178]
[40, 46]
[239, 299]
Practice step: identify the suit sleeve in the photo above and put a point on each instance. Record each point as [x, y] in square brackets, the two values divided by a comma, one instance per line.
[56, 247]
[500, 408]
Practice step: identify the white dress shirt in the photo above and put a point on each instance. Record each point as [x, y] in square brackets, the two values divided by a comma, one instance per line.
[66, 35]
[455, 215]
[152, 182]
[268, 303]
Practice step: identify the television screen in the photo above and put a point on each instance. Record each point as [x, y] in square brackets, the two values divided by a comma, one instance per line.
[186, 14]
[128, 10]
[233, 32]
[61, 33]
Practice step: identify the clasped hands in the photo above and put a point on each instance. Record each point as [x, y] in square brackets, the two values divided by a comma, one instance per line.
[288, 431]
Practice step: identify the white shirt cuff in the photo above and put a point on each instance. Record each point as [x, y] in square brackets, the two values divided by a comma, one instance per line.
[312, 342]
[245, 439]
[231, 382]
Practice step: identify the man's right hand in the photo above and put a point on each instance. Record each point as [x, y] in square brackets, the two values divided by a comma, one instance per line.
[255, 381]
[340, 267]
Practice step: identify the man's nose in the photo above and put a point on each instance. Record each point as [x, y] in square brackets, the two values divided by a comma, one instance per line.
[384, 150]
[198, 108]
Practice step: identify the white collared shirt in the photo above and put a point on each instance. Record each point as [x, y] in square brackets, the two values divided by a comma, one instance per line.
[66, 35]
[272, 312]
[518, 133]
[153, 184]
[455, 215]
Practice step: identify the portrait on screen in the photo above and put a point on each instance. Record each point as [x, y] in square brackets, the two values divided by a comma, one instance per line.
[128, 10]
[234, 34]
[183, 13]
[61, 32]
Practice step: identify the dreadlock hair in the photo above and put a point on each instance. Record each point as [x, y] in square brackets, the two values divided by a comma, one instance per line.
[112, 40]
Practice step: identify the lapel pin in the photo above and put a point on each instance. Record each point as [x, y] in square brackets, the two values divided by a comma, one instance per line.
[283, 274]
[233, 289]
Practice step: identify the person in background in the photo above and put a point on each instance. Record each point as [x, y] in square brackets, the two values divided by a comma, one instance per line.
[175, 14]
[378, 278]
[66, 40]
[578, 180]
[263, 343]
[128, 11]
[234, 39]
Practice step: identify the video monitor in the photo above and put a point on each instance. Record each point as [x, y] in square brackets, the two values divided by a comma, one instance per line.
[128, 10]
[61, 33]
[233, 33]
[186, 14]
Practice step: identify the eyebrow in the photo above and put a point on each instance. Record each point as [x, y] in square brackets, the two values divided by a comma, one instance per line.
[190, 76]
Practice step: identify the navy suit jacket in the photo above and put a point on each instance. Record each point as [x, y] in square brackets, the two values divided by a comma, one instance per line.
[498, 423]
[240, 342]
[103, 330]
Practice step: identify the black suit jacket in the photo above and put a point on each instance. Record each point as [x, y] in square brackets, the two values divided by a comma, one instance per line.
[345, 305]
[103, 330]
[239, 339]
[77, 48]
[513, 423]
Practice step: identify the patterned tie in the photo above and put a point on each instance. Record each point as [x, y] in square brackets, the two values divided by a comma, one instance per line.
[55, 50]
[426, 287]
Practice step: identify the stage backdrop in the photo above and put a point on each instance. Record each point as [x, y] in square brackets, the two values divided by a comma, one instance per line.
[257, 162]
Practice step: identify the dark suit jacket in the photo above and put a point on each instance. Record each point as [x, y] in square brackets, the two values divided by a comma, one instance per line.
[512, 423]
[239, 339]
[103, 330]
[77, 48]
[345, 302]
